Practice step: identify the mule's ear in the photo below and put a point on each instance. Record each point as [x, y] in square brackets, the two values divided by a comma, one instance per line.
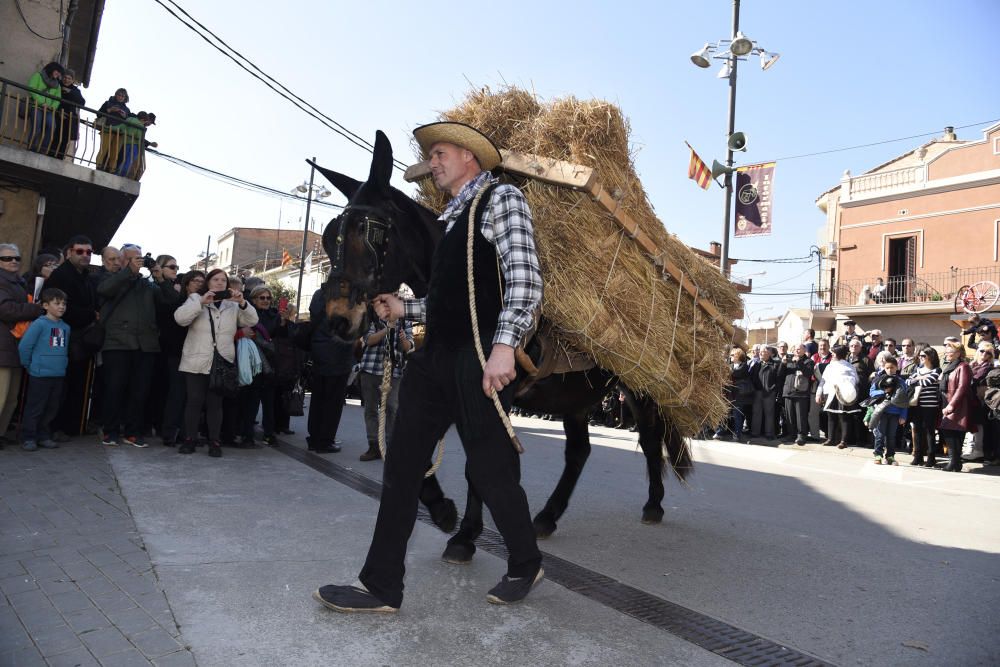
[347, 185]
[381, 171]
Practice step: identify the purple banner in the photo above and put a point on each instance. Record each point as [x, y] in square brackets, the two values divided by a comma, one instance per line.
[754, 185]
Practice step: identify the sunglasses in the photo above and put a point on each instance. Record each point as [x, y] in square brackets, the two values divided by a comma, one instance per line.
[83, 251]
[172, 267]
[10, 258]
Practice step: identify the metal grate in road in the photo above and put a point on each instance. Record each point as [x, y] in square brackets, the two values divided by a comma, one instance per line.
[719, 637]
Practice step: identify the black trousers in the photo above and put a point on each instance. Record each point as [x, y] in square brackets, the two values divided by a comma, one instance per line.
[72, 411]
[325, 408]
[172, 425]
[797, 417]
[198, 397]
[40, 407]
[127, 376]
[442, 386]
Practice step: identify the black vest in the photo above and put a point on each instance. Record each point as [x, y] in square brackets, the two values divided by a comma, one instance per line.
[448, 318]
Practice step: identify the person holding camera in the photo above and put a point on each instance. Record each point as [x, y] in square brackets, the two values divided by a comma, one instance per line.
[131, 343]
[796, 373]
[212, 316]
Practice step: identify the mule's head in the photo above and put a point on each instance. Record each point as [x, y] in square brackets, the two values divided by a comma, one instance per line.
[358, 245]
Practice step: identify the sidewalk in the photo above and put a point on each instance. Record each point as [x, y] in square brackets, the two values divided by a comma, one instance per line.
[76, 583]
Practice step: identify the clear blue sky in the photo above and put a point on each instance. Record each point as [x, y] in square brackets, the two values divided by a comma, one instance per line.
[851, 73]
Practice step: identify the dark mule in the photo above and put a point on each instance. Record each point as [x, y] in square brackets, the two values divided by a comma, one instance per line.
[382, 239]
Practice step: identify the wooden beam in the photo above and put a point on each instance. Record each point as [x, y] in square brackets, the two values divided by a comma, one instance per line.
[547, 170]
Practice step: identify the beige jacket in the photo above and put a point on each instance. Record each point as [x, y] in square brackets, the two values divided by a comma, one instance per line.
[228, 317]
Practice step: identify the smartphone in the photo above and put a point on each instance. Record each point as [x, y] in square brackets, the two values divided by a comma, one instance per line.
[282, 304]
[222, 296]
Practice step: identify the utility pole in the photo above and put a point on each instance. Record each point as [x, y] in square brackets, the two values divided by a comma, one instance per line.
[305, 236]
[726, 221]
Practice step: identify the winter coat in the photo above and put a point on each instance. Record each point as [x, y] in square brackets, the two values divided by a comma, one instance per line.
[42, 82]
[116, 112]
[131, 324]
[14, 308]
[72, 100]
[790, 370]
[766, 378]
[44, 349]
[331, 355]
[172, 335]
[285, 358]
[228, 318]
[957, 393]
[81, 299]
[740, 388]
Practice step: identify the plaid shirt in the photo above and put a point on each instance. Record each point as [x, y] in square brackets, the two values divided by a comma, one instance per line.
[371, 358]
[507, 225]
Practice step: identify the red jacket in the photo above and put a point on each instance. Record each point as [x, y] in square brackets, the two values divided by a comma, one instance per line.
[961, 399]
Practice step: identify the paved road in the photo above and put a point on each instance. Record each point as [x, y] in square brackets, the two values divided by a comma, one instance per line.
[821, 551]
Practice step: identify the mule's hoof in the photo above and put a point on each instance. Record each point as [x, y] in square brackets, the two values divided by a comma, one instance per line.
[458, 553]
[445, 515]
[544, 526]
[652, 516]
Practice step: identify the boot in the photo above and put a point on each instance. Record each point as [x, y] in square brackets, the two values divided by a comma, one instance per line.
[918, 453]
[373, 453]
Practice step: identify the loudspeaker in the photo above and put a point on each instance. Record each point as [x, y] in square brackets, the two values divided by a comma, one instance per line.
[737, 141]
[718, 169]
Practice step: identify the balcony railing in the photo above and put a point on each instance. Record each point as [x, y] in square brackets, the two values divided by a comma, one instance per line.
[923, 288]
[896, 179]
[29, 121]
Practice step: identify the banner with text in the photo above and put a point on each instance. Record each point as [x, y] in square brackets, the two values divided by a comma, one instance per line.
[754, 186]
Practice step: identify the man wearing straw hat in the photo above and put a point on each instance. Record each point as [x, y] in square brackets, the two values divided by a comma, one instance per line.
[445, 381]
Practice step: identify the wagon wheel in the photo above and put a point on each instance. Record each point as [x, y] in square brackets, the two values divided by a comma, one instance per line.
[977, 297]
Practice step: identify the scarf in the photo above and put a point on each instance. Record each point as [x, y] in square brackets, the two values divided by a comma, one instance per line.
[943, 382]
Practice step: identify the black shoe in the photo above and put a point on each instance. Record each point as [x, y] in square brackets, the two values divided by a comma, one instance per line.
[270, 440]
[214, 449]
[326, 449]
[513, 590]
[187, 447]
[800, 440]
[287, 432]
[373, 454]
[350, 599]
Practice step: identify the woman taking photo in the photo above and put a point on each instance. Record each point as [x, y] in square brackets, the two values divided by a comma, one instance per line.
[211, 307]
[926, 414]
[14, 308]
[957, 399]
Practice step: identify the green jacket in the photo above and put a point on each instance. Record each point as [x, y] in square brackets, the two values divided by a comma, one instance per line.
[36, 82]
[132, 323]
[133, 129]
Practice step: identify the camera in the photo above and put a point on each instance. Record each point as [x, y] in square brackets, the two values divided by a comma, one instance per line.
[148, 262]
[223, 295]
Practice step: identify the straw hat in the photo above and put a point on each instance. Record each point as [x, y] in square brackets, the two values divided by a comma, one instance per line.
[462, 135]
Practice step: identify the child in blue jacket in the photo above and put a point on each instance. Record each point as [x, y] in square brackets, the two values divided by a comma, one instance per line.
[44, 351]
[887, 417]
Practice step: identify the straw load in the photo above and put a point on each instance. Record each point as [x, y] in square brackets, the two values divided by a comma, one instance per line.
[603, 294]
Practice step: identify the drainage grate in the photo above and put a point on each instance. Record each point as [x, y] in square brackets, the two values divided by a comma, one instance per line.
[728, 641]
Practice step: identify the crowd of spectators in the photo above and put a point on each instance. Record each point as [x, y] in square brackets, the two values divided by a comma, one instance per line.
[51, 110]
[125, 350]
[872, 391]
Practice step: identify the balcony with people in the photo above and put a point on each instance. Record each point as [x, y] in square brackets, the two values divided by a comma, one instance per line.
[924, 292]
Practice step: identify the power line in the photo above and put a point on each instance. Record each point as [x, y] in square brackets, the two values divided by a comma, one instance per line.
[234, 180]
[268, 80]
[778, 260]
[24, 20]
[879, 143]
[797, 275]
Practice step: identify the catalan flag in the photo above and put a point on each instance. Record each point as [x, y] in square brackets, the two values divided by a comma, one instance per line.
[698, 171]
[286, 257]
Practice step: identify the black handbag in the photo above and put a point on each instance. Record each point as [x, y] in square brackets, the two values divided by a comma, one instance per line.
[223, 378]
[294, 401]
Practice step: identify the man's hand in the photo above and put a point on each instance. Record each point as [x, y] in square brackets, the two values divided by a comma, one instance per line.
[134, 264]
[388, 307]
[157, 273]
[499, 371]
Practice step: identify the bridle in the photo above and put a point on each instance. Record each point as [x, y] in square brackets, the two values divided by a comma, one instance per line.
[376, 244]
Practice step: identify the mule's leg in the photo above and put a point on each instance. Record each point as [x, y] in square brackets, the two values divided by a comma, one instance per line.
[577, 452]
[462, 545]
[651, 431]
[444, 514]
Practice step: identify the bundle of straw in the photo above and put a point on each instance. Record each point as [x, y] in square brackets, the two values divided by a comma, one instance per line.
[603, 295]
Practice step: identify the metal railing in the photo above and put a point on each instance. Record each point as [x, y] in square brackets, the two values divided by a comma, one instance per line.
[38, 122]
[923, 288]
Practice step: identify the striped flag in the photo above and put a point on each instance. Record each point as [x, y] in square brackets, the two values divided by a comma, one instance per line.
[286, 257]
[698, 171]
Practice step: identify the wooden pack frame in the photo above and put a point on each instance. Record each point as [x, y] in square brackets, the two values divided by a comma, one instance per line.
[584, 179]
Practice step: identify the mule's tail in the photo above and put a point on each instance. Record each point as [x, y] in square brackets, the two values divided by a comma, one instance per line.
[678, 452]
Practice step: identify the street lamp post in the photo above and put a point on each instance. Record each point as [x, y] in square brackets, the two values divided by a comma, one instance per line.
[731, 51]
[308, 190]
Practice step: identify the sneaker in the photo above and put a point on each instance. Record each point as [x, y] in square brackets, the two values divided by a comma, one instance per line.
[136, 441]
[878, 460]
[48, 444]
[511, 590]
[351, 599]
[187, 447]
[800, 440]
[214, 449]
[890, 461]
[109, 440]
[29, 446]
[59, 436]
